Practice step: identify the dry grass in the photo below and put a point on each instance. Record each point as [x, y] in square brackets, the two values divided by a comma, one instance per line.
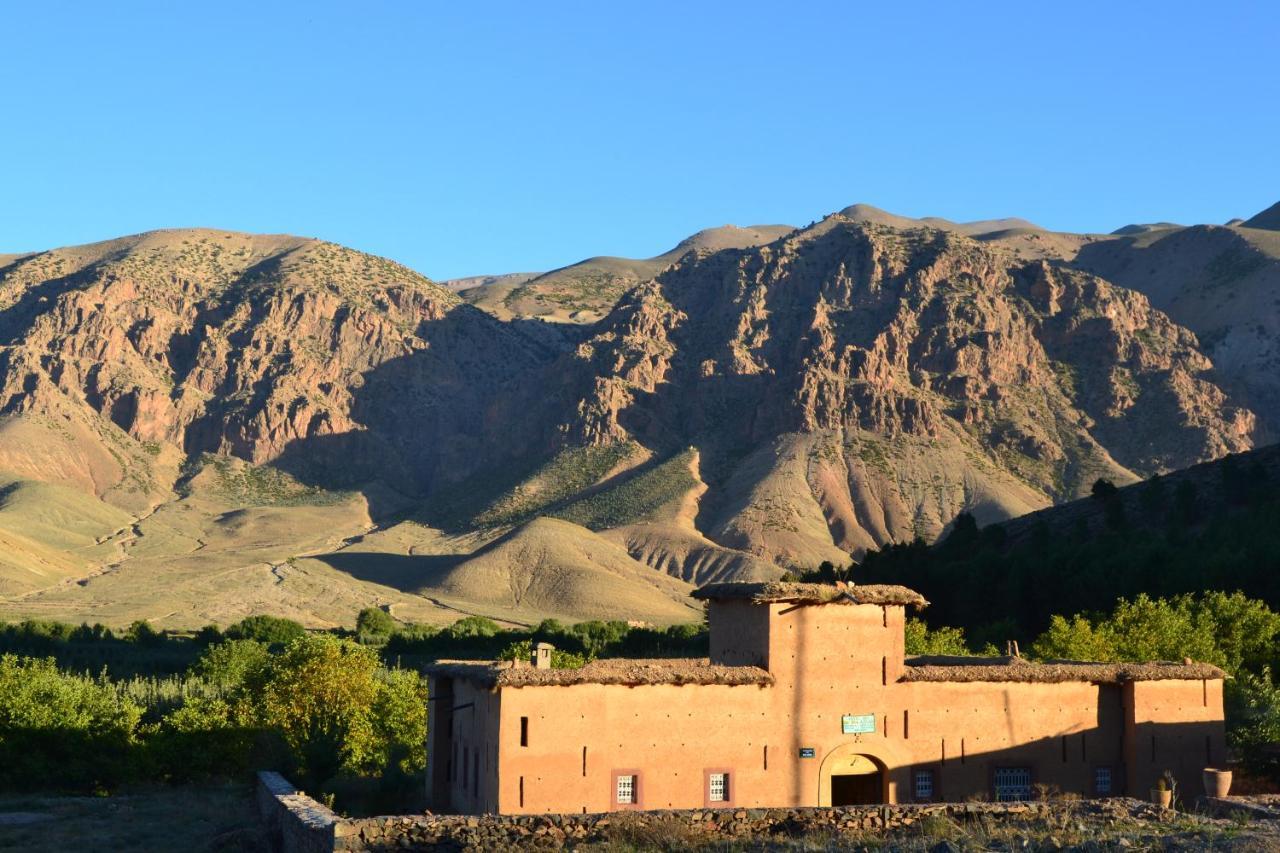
[628, 671]
[944, 668]
[813, 593]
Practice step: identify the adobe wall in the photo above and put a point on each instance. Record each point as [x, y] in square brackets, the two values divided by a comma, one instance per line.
[741, 635]
[782, 743]
[464, 729]
[580, 736]
[1061, 732]
[1175, 726]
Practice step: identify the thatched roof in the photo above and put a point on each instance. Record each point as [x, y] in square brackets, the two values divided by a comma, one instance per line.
[626, 671]
[812, 593]
[947, 668]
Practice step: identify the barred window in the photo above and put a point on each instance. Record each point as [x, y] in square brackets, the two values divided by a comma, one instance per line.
[924, 784]
[1102, 780]
[1012, 783]
[626, 789]
[718, 787]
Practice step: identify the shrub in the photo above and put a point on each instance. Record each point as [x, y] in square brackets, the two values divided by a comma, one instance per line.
[1227, 629]
[143, 634]
[921, 640]
[231, 663]
[374, 625]
[272, 630]
[69, 730]
[472, 626]
[560, 659]
[1253, 711]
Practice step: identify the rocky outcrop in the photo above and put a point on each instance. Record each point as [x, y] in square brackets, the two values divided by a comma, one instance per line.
[1006, 384]
[269, 349]
[847, 385]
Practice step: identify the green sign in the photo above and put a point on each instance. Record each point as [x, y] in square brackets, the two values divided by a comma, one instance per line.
[858, 724]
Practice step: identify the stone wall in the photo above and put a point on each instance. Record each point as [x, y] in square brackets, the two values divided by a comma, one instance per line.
[295, 822]
[299, 824]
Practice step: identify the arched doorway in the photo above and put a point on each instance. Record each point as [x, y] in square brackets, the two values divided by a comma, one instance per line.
[852, 778]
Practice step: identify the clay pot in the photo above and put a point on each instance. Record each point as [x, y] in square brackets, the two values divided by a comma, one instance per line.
[1217, 783]
[1162, 798]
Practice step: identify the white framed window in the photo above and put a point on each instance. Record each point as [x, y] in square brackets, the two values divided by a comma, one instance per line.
[626, 790]
[924, 784]
[718, 787]
[1012, 783]
[1102, 781]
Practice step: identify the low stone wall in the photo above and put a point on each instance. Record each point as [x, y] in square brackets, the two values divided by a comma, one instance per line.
[295, 822]
[299, 823]
[657, 829]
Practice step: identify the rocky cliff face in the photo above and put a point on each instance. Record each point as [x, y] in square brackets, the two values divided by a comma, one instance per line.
[338, 364]
[847, 385]
[863, 384]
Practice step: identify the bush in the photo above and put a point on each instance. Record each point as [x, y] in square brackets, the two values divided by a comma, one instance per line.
[560, 659]
[1253, 712]
[473, 626]
[921, 640]
[1230, 630]
[272, 630]
[374, 625]
[68, 730]
[231, 663]
[324, 696]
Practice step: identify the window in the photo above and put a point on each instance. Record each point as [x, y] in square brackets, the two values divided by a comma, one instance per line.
[1012, 783]
[923, 785]
[718, 787]
[1102, 781]
[524, 731]
[626, 791]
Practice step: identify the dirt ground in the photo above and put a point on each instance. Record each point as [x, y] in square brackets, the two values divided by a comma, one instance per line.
[150, 820]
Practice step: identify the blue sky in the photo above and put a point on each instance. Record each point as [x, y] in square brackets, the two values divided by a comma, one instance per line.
[472, 137]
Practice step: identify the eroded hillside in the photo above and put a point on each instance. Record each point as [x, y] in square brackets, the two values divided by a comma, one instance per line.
[275, 424]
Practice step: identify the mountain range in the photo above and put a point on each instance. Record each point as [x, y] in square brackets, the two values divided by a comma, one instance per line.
[196, 425]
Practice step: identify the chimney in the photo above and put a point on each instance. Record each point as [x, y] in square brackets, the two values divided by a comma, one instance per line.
[542, 655]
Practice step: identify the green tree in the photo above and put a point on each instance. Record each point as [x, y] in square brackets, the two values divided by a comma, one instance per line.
[522, 650]
[1244, 629]
[373, 624]
[231, 663]
[400, 722]
[472, 626]
[1253, 712]
[922, 640]
[143, 634]
[272, 630]
[60, 729]
[317, 694]
[1075, 638]
[1227, 629]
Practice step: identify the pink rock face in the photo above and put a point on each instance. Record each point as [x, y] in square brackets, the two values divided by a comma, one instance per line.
[849, 382]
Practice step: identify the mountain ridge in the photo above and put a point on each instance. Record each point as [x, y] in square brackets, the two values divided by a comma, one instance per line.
[326, 429]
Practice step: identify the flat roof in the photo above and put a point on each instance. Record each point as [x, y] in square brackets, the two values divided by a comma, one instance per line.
[943, 668]
[624, 671]
[812, 593]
